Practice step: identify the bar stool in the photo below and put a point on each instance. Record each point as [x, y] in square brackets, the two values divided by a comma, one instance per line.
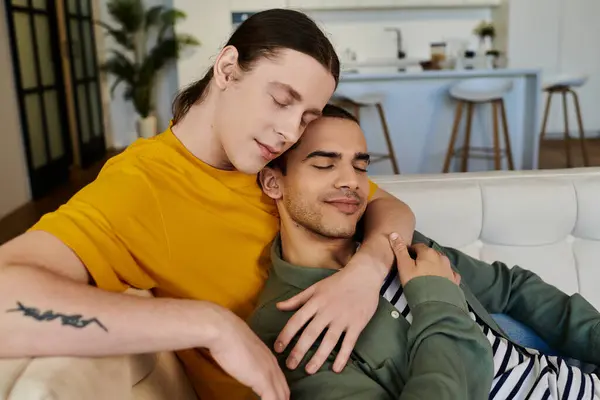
[354, 105]
[472, 92]
[564, 85]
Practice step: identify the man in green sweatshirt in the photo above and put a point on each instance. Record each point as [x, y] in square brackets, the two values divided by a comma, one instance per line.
[432, 336]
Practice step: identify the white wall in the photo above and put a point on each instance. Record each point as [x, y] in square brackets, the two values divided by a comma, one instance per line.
[210, 22]
[14, 180]
[122, 114]
[560, 37]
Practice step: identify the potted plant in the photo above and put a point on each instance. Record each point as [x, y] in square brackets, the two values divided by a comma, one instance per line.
[486, 33]
[146, 42]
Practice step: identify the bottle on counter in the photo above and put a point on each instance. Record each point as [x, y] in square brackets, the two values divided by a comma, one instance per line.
[469, 59]
[491, 58]
[438, 54]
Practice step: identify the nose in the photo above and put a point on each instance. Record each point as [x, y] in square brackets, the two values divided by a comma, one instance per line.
[289, 127]
[347, 178]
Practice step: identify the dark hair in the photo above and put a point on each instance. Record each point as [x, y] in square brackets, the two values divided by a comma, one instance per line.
[329, 111]
[262, 35]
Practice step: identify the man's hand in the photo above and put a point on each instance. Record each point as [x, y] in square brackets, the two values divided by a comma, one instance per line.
[343, 304]
[428, 262]
[243, 356]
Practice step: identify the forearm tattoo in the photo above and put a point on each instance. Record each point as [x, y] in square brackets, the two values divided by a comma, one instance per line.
[75, 321]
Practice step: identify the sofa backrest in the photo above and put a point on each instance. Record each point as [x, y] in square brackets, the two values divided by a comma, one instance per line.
[547, 221]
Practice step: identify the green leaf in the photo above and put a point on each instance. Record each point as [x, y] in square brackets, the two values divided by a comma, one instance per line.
[119, 65]
[153, 17]
[142, 100]
[120, 36]
[127, 13]
[169, 19]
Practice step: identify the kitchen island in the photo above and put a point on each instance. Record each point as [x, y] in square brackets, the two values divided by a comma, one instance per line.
[420, 114]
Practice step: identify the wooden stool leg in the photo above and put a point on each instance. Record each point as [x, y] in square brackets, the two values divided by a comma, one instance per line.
[497, 161]
[509, 155]
[465, 158]
[388, 140]
[450, 151]
[546, 114]
[581, 131]
[567, 136]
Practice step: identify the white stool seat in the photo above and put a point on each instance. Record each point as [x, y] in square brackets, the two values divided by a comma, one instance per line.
[481, 89]
[565, 81]
[363, 99]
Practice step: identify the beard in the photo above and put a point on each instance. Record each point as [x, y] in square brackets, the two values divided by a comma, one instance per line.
[313, 217]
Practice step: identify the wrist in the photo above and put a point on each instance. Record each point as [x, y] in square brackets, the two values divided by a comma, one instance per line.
[377, 253]
[210, 319]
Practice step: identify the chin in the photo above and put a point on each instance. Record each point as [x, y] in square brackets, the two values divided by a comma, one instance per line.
[339, 231]
[247, 164]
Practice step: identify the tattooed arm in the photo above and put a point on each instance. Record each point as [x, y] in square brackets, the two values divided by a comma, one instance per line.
[47, 308]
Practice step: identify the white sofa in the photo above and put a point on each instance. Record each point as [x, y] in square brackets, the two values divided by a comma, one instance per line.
[546, 221]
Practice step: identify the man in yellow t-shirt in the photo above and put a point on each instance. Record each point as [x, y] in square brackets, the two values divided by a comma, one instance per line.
[181, 214]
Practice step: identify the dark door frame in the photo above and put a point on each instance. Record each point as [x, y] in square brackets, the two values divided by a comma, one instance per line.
[95, 148]
[54, 172]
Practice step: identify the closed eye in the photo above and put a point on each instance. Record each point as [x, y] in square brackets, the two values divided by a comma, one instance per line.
[360, 169]
[278, 103]
[323, 167]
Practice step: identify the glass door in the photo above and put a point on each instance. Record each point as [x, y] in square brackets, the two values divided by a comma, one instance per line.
[85, 80]
[40, 89]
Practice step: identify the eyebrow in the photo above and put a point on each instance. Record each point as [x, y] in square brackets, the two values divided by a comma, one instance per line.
[295, 95]
[332, 154]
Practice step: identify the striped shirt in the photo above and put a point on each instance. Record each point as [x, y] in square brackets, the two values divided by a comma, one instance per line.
[519, 372]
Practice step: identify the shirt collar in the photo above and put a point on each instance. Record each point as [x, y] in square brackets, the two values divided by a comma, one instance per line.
[297, 276]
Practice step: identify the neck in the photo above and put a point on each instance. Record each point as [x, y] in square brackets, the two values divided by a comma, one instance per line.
[299, 246]
[196, 131]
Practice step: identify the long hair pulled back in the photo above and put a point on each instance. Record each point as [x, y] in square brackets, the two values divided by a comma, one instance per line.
[261, 35]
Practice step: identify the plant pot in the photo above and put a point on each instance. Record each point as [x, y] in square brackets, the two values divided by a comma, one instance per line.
[146, 127]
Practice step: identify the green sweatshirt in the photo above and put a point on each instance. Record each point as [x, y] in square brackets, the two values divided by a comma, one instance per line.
[443, 354]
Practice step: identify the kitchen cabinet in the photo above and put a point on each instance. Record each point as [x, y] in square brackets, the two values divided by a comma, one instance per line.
[255, 5]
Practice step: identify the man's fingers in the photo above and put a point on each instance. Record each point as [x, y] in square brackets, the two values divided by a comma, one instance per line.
[297, 301]
[400, 250]
[327, 345]
[346, 350]
[308, 337]
[293, 326]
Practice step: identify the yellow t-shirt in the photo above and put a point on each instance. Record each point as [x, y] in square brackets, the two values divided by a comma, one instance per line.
[158, 218]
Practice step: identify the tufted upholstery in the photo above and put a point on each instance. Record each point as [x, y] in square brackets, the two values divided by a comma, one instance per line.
[545, 221]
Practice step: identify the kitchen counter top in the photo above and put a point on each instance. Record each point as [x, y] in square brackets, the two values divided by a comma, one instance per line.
[433, 74]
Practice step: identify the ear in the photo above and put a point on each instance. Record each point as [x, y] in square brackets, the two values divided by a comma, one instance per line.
[225, 67]
[271, 182]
